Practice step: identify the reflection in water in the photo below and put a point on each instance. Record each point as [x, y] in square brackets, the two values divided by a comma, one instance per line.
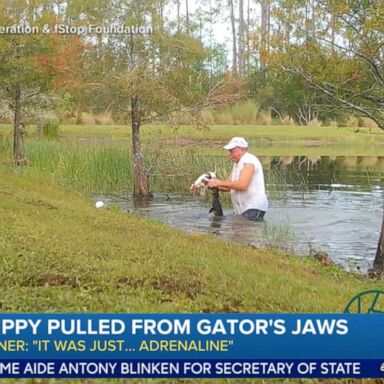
[140, 203]
[340, 212]
[310, 162]
[216, 222]
[314, 172]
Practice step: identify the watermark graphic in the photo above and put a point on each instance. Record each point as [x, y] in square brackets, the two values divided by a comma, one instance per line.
[79, 30]
[19, 30]
[371, 301]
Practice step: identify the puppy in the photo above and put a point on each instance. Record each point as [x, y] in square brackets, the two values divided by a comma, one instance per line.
[200, 184]
[202, 181]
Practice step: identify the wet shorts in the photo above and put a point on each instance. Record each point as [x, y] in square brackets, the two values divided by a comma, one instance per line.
[253, 214]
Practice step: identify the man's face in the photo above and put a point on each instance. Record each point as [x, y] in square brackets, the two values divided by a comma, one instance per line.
[236, 153]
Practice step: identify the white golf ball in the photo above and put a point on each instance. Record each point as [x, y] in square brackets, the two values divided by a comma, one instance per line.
[99, 204]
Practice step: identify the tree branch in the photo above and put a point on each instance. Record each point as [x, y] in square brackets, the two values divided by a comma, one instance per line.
[364, 111]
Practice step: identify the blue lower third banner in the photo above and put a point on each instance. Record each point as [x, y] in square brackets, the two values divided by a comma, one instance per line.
[191, 345]
[190, 368]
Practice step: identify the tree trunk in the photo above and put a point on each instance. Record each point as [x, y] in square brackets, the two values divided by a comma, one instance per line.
[18, 140]
[234, 43]
[265, 26]
[140, 176]
[178, 15]
[161, 16]
[79, 115]
[241, 38]
[378, 263]
[333, 32]
[187, 15]
[248, 37]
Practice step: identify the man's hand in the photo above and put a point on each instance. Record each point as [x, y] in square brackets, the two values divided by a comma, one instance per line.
[214, 183]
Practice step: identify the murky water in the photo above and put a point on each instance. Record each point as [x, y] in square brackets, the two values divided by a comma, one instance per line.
[334, 208]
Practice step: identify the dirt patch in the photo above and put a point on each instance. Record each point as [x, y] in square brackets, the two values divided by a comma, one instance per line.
[188, 286]
[233, 305]
[41, 203]
[54, 280]
[132, 282]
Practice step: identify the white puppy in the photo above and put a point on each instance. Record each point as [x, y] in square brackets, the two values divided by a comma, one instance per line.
[202, 181]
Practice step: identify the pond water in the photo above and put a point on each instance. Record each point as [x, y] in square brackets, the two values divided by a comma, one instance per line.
[329, 204]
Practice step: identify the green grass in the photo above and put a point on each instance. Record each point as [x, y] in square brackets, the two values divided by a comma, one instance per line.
[61, 254]
[51, 130]
[223, 132]
[107, 169]
[264, 140]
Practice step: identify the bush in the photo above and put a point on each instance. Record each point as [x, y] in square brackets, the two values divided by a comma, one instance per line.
[264, 118]
[245, 113]
[86, 118]
[352, 121]
[366, 122]
[314, 123]
[51, 130]
[104, 118]
[207, 117]
[287, 120]
[349, 121]
[223, 118]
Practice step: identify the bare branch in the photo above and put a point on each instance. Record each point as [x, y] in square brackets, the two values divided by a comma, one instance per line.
[374, 66]
[363, 110]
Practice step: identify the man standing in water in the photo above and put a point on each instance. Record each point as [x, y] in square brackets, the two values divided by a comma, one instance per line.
[246, 183]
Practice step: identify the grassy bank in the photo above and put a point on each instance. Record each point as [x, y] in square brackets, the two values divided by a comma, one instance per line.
[61, 254]
[107, 168]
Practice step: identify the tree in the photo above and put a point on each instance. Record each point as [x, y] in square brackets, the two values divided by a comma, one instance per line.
[142, 76]
[22, 77]
[150, 76]
[340, 55]
[347, 68]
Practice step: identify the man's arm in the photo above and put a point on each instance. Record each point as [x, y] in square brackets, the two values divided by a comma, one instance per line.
[239, 185]
[225, 189]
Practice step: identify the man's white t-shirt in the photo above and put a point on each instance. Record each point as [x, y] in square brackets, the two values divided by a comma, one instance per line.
[254, 196]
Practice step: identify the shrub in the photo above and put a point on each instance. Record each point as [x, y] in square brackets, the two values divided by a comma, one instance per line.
[366, 122]
[104, 118]
[314, 122]
[352, 121]
[87, 119]
[264, 118]
[223, 118]
[287, 120]
[208, 117]
[51, 130]
[245, 113]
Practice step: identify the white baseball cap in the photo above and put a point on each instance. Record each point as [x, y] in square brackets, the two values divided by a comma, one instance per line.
[236, 142]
